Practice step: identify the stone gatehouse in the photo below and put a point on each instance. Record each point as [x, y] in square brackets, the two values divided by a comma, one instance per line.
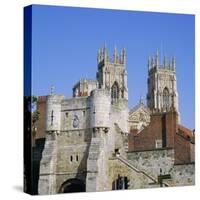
[94, 142]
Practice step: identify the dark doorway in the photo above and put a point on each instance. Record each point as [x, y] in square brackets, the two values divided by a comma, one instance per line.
[121, 183]
[72, 185]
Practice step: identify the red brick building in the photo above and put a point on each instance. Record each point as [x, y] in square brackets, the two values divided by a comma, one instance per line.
[164, 132]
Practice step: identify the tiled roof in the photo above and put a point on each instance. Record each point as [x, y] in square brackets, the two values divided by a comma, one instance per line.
[186, 133]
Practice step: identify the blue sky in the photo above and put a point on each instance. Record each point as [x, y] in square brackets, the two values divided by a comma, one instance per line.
[65, 42]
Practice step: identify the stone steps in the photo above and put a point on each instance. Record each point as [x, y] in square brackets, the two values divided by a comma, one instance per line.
[130, 165]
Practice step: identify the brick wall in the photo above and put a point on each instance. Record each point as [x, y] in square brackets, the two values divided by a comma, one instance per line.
[184, 146]
[40, 124]
[162, 127]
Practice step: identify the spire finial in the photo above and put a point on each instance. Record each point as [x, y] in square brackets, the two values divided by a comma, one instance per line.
[124, 55]
[165, 61]
[174, 62]
[105, 52]
[115, 54]
[99, 56]
[157, 58]
[149, 63]
[152, 62]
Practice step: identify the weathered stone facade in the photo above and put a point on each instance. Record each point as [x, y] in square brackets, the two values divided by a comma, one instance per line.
[87, 145]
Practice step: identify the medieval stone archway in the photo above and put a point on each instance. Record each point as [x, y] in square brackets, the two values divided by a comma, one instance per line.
[72, 185]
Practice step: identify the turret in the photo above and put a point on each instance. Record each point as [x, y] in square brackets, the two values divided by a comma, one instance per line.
[100, 108]
[53, 112]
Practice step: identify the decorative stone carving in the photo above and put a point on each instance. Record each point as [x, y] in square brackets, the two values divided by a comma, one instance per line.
[139, 117]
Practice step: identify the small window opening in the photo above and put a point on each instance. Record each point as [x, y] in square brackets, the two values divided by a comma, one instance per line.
[71, 158]
[117, 151]
[52, 117]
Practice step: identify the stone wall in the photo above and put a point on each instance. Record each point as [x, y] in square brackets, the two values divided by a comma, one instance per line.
[183, 174]
[136, 179]
[72, 150]
[75, 114]
[47, 181]
[153, 161]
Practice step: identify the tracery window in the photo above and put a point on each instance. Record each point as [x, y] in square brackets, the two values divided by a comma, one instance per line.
[166, 102]
[115, 91]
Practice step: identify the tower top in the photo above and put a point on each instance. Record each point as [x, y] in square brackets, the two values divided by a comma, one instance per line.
[167, 64]
[117, 58]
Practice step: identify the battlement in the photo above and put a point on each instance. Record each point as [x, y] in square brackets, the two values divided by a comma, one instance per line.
[117, 58]
[166, 65]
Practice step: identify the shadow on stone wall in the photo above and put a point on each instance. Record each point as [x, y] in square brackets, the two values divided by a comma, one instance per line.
[82, 168]
[72, 185]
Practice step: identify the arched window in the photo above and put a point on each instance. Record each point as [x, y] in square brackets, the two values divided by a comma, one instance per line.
[166, 102]
[115, 91]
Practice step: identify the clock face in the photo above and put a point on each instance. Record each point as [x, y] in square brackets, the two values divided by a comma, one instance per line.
[75, 121]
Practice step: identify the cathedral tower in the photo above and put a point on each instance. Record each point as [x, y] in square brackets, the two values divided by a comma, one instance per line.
[112, 74]
[162, 93]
